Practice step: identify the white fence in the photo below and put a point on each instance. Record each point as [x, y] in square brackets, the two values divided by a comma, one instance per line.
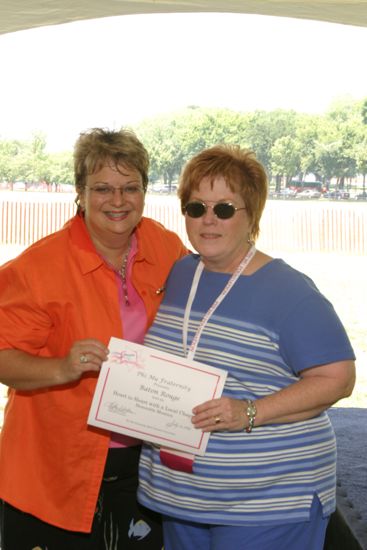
[286, 226]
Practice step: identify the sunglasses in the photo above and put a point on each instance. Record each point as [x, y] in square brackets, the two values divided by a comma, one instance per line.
[223, 210]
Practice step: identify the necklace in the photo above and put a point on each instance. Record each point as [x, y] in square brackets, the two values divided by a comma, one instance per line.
[195, 283]
[123, 275]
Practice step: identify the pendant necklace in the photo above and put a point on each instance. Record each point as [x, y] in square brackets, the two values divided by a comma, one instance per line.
[123, 275]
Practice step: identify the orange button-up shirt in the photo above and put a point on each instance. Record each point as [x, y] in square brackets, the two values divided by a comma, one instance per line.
[58, 291]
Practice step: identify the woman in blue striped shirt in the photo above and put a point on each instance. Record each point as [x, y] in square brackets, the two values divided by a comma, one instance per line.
[267, 479]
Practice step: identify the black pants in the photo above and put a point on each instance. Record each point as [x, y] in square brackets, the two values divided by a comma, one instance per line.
[120, 523]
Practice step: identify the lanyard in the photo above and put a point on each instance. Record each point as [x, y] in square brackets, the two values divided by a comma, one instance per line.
[194, 286]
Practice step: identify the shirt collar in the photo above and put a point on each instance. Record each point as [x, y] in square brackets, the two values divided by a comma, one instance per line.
[89, 259]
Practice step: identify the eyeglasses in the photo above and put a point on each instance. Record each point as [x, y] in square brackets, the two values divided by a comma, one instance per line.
[223, 210]
[109, 190]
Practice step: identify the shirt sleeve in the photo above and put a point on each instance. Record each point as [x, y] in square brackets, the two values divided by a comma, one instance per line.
[312, 334]
[24, 325]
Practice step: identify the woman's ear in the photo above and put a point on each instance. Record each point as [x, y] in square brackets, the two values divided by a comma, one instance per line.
[81, 199]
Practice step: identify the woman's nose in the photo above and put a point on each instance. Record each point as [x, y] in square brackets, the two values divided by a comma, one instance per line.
[209, 216]
[117, 195]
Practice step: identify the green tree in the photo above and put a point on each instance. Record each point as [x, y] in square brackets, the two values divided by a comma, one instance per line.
[174, 138]
[361, 145]
[160, 137]
[307, 137]
[9, 150]
[264, 128]
[61, 168]
[285, 160]
[338, 139]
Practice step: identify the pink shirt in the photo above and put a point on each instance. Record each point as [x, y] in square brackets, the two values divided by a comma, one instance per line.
[135, 318]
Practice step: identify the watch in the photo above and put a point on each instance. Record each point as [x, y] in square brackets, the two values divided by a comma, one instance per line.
[251, 412]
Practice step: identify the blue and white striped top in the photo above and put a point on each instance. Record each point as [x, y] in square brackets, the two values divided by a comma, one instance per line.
[271, 325]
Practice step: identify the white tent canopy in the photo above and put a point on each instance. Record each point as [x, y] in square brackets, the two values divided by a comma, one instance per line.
[18, 15]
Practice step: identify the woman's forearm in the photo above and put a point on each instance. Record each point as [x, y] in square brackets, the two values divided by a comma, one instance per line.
[317, 390]
[22, 371]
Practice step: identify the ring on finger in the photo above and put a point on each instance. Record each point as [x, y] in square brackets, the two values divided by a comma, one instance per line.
[217, 420]
[83, 358]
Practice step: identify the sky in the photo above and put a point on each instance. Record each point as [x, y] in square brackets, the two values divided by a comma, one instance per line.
[112, 72]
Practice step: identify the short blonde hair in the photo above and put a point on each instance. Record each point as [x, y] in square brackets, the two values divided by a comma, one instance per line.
[98, 147]
[242, 172]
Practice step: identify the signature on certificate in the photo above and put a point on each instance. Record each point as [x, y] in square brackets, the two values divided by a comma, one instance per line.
[114, 407]
[177, 425]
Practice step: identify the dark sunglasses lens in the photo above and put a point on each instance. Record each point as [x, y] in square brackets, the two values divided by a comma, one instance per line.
[195, 209]
[224, 210]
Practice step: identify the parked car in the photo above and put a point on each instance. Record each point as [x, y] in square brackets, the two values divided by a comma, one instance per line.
[309, 194]
[164, 188]
[283, 194]
[337, 194]
[19, 186]
[361, 196]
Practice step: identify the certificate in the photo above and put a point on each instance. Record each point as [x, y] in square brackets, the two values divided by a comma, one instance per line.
[149, 394]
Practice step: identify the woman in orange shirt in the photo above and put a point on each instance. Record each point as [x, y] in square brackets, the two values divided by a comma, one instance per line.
[64, 484]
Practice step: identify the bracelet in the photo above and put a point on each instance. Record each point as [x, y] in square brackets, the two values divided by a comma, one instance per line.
[251, 412]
